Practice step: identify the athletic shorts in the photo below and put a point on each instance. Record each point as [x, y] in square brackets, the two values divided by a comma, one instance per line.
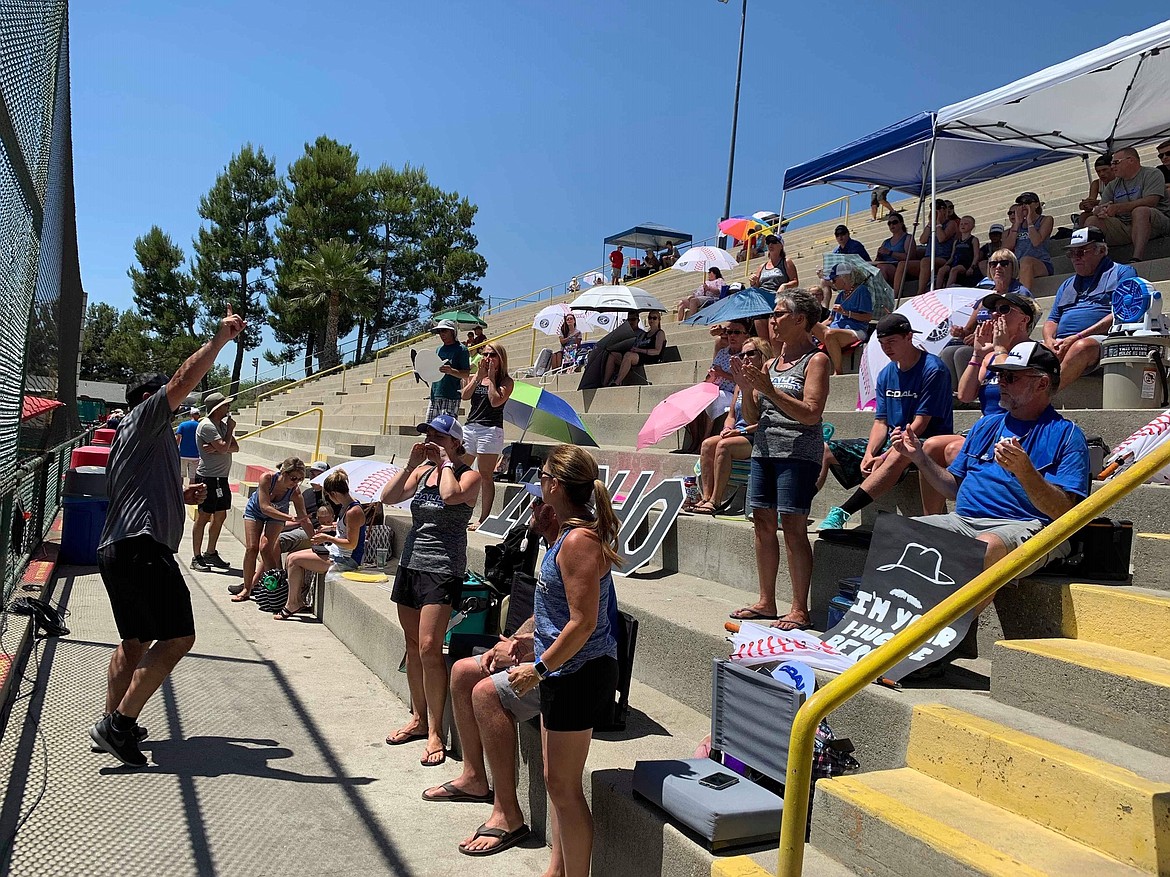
[878, 195]
[188, 465]
[479, 438]
[1013, 534]
[147, 591]
[219, 495]
[522, 708]
[788, 486]
[415, 589]
[581, 700]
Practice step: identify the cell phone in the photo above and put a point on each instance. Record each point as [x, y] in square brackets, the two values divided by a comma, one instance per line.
[719, 780]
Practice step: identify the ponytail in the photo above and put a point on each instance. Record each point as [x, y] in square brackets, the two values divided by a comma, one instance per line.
[607, 524]
[577, 471]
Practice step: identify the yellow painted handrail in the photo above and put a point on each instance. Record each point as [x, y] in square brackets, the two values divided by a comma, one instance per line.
[320, 425]
[281, 389]
[396, 347]
[880, 660]
[405, 374]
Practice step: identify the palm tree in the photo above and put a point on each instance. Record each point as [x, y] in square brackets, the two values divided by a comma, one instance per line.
[334, 278]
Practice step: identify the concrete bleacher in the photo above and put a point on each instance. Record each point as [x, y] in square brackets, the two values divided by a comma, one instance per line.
[1065, 673]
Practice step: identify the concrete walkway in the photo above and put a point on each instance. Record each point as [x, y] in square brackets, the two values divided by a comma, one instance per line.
[267, 758]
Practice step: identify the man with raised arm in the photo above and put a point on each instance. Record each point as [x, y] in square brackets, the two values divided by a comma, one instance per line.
[136, 554]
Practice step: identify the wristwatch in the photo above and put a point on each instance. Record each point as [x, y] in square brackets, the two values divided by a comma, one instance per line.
[541, 670]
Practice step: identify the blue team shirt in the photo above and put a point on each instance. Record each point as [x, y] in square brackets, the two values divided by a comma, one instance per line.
[855, 248]
[923, 389]
[861, 301]
[1056, 447]
[1082, 301]
[188, 447]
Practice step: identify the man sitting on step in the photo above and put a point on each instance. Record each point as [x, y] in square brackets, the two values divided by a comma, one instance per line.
[1083, 310]
[1018, 470]
[913, 393]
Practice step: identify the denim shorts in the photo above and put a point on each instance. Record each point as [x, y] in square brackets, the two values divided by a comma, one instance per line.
[788, 486]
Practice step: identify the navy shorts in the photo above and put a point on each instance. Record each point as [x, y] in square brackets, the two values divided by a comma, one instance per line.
[788, 486]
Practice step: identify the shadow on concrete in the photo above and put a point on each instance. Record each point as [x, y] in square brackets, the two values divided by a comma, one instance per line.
[638, 724]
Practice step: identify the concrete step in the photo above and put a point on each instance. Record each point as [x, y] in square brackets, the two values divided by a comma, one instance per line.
[1126, 618]
[1118, 692]
[901, 823]
[1089, 800]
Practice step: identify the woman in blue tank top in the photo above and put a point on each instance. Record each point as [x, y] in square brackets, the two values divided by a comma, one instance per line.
[576, 651]
[265, 515]
[945, 230]
[344, 550]
[1027, 237]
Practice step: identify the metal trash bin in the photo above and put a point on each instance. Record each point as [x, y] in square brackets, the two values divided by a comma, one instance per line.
[83, 515]
[1134, 371]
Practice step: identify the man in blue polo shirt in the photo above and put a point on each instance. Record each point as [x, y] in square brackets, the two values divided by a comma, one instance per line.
[913, 393]
[1019, 469]
[1083, 310]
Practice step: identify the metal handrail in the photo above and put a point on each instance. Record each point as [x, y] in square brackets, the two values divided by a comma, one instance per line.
[396, 346]
[408, 373]
[320, 425]
[875, 664]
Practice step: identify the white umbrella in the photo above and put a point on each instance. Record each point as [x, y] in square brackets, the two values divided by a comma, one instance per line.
[1138, 445]
[550, 319]
[617, 298]
[704, 259]
[594, 279]
[755, 644]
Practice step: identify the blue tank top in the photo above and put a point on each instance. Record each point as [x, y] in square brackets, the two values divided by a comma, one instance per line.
[1025, 247]
[551, 610]
[740, 423]
[895, 247]
[989, 395]
[943, 250]
[253, 510]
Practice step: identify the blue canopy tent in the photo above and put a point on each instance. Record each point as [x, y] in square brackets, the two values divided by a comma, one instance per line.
[648, 236]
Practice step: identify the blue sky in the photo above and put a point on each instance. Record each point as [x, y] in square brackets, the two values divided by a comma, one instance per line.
[564, 122]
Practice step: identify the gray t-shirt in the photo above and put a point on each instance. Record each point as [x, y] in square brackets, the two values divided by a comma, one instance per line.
[437, 541]
[1149, 181]
[212, 465]
[144, 482]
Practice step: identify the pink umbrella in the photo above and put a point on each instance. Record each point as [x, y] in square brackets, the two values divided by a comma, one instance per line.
[676, 411]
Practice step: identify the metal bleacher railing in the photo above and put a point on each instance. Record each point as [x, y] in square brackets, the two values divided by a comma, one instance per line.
[30, 500]
[875, 664]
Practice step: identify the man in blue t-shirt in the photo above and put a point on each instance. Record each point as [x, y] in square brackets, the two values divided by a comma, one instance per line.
[188, 447]
[456, 368]
[1019, 469]
[1083, 310]
[913, 393]
[846, 244]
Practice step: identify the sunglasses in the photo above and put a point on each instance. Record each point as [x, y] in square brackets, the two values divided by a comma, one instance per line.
[1002, 308]
[734, 332]
[895, 223]
[1010, 377]
[744, 354]
[490, 353]
[1165, 154]
[1000, 263]
[548, 475]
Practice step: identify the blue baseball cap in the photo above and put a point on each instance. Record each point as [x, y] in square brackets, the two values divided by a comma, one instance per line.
[533, 488]
[446, 424]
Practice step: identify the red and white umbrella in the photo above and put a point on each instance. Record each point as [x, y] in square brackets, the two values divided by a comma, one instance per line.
[704, 259]
[755, 644]
[1142, 442]
[366, 478]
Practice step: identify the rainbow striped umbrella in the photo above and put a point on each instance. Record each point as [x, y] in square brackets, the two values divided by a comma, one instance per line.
[739, 227]
[545, 413]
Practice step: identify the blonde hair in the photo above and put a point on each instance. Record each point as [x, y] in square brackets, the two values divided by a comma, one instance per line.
[502, 377]
[292, 464]
[1004, 254]
[763, 345]
[576, 470]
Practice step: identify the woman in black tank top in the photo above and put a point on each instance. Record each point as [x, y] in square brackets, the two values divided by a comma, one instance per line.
[487, 390]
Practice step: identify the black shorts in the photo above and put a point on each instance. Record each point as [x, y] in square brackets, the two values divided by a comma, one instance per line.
[219, 495]
[582, 700]
[415, 589]
[146, 589]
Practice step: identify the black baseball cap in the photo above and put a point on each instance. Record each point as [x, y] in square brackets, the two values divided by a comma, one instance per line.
[1025, 304]
[841, 229]
[894, 324]
[147, 382]
[1029, 355]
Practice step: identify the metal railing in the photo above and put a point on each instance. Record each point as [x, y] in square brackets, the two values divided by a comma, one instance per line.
[33, 493]
[875, 664]
[320, 426]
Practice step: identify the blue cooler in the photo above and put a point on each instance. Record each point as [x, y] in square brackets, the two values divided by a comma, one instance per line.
[83, 514]
[843, 602]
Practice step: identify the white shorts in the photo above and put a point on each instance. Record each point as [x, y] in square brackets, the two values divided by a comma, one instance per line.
[479, 438]
[187, 467]
[722, 403]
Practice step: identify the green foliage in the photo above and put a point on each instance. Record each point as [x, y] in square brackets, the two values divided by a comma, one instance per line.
[334, 278]
[115, 346]
[234, 249]
[162, 289]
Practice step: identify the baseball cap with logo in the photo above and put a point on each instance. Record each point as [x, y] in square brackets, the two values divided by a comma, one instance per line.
[996, 228]
[319, 466]
[1082, 237]
[894, 324]
[446, 424]
[1028, 198]
[1029, 355]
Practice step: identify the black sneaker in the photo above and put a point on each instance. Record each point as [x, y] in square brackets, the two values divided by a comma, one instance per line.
[197, 562]
[213, 558]
[139, 735]
[123, 747]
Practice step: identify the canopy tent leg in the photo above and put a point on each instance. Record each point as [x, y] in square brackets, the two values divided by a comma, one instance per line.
[933, 199]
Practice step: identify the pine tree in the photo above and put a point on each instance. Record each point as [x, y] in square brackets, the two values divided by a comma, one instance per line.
[234, 251]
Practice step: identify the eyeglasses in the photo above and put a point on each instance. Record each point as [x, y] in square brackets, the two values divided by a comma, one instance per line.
[490, 353]
[778, 314]
[295, 479]
[1010, 377]
[896, 222]
[1077, 252]
[1000, 263]
[548, 475]
[734, 332]
[1165, 154]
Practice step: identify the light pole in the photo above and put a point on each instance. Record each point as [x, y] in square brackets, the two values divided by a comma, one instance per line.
[734, 114]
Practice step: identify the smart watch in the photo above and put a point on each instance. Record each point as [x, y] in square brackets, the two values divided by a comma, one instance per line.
[541, 670]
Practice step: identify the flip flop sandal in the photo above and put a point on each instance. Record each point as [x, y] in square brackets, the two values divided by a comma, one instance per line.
[454, 793]
[750, 614]
[425, 763]
[787, 623]
[242, 597]
[508, 839]
[285, 613]
[400, 737]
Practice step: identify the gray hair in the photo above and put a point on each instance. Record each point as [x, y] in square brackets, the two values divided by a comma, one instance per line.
[801, 302]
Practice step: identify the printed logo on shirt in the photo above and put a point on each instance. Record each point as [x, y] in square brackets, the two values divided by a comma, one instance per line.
[901, 394]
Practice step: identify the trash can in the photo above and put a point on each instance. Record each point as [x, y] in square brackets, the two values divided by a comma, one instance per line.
[103, 437]
[83, 515]
[1134, 371]
[90, 455]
